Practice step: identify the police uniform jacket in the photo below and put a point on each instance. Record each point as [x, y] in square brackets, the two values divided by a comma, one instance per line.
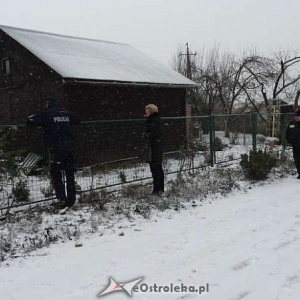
[56, 123]
[293, 134]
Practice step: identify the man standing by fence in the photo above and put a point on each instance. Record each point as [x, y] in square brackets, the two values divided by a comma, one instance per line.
[293, 138]
[59, 141]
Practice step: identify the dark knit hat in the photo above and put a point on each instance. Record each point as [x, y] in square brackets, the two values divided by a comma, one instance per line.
[297, 112]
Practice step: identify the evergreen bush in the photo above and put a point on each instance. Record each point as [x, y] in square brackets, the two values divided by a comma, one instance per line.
[258, 164]
[20, 191]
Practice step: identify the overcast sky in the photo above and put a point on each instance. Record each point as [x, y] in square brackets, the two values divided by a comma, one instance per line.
[158, 27]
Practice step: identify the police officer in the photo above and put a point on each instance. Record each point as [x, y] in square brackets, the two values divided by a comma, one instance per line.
[59, 141]
[293, 138]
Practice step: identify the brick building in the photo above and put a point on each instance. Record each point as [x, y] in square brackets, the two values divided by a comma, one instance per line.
[99, 80]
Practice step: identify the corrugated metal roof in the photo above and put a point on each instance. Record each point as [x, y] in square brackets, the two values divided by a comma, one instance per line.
[81, 58]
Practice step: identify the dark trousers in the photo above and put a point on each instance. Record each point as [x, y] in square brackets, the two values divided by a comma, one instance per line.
[158, 177]
[63, 163]
[296, 155]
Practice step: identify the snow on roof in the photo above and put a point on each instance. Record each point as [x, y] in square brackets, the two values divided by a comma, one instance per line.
[90, 59]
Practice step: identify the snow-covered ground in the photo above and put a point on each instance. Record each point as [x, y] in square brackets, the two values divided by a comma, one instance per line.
[245, 246]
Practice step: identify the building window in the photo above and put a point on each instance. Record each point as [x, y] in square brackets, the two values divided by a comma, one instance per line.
[6, 68]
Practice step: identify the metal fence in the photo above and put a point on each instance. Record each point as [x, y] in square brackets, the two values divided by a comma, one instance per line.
[107, 152]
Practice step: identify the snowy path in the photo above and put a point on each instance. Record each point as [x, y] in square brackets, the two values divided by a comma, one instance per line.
[246, 246]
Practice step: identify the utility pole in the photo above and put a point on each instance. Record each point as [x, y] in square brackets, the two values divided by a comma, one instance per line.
[188, 104]
[188, 72]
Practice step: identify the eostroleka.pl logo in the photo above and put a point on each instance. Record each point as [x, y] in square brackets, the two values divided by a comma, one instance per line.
[126, 287]
[132, 286]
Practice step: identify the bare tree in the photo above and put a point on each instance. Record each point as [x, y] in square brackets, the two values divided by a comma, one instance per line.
[277, 77]
[225, 80]
[204, 71]
[228, 80]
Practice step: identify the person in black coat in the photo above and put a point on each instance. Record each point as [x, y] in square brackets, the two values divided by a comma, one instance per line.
[59, 141]
[152, 135]
[293, 138]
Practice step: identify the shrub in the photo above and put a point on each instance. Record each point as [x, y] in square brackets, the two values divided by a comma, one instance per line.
[218, 145]
[257, 165]
[133, 190]
[95, 199]
[47, 191]
[122, 177]
[201, 146]
[20, 191]
[260, 138]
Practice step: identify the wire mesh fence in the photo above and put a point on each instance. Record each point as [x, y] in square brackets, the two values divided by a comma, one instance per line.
[107, 152]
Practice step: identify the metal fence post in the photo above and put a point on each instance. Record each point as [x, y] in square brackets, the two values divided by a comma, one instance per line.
[244, 135]
[212, 139]
[283, 124]
[254, 130]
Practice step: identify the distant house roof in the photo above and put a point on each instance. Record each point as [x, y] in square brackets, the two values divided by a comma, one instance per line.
[89, 59]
